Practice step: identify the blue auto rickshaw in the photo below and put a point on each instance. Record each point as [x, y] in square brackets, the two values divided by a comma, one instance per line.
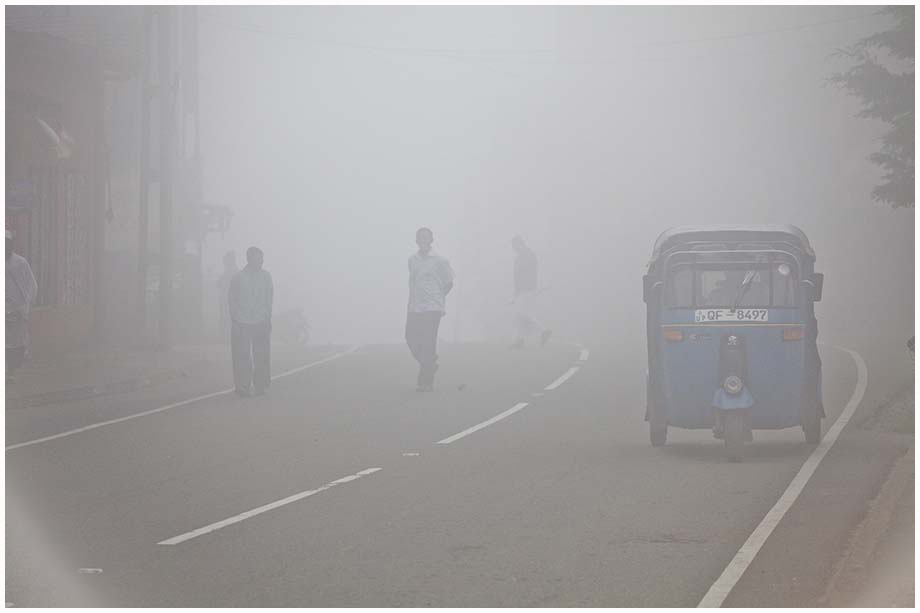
[732, 334]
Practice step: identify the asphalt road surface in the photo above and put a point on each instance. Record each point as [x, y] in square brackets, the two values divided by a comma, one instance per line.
[346, 487]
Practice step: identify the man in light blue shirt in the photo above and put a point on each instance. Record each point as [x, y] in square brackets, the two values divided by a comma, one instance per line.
[21, 289]
[430, 280]
[250, 301]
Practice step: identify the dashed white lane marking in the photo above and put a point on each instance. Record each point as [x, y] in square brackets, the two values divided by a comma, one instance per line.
[89, 571]
[565, 377]
[583, 356]
[263, 509]
[110, 422]
[488, 422]
[735, 569]
[410, 454]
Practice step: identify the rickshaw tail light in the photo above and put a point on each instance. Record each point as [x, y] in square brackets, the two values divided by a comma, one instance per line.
[674, 335]
[733, 384]
[793, 334]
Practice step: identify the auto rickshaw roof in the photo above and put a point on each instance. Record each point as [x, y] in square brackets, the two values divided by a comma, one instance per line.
[731, 233]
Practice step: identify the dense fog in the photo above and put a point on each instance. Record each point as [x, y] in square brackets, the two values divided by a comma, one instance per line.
[335, 132]
[175, 437]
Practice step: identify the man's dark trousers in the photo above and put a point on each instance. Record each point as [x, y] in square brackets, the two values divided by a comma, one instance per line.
[422, 338]
[251, 348]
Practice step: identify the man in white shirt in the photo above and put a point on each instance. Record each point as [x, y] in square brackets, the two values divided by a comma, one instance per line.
[430, 280]
[21, 289]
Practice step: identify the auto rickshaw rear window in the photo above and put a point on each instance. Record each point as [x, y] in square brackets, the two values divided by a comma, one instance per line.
[680, 287]
[732, 284]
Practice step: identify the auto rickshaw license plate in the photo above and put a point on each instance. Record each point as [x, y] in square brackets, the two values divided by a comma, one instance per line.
[713, 315]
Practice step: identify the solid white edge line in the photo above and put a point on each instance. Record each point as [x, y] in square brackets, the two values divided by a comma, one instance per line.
[263, 509]
[110, 422]
[480, 426]
[583, 356]
[565, 377]
[720, 590]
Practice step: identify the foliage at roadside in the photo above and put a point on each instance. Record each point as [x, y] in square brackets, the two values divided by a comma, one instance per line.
[887, 95]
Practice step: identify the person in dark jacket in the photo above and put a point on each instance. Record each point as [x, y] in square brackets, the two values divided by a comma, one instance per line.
[250, 299]
[525, 295]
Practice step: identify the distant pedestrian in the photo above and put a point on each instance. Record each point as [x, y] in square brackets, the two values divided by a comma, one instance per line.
[430, 280]
[250, 298]
[525, 295]
[223, 291]
[21, 289]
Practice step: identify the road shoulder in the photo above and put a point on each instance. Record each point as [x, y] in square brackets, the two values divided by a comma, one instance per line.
[878, 568]
[844, 524]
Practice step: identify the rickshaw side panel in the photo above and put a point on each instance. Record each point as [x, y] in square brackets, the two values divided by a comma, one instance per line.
[687, 380]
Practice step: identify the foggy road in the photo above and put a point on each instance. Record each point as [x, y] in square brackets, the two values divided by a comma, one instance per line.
[525, 479]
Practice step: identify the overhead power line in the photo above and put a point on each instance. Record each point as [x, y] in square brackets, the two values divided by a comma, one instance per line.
[457, 51]
[486, 57]
[337, 43]
[753, 33]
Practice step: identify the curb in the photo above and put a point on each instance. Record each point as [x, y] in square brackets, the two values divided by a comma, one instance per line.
[869, 533]
[93, 391]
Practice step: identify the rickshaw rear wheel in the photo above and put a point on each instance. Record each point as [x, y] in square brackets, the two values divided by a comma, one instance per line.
[657, 426]
[734, 435]
[811, 424]
[657, 433]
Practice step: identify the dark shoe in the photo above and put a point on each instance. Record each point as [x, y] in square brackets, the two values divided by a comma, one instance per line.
[545, 336]
[243, 393]
[424, 388]
[518, 344]
[261, 392]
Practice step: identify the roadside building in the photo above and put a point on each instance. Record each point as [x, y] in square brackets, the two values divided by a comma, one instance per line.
[58, 62]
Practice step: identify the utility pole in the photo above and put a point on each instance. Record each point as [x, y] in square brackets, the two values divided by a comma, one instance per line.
[167, 86]
[190, 146]
[165, 90]
[100, 196]
[144, 180]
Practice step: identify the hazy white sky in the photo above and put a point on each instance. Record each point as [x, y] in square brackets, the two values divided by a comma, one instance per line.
[335, 132]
